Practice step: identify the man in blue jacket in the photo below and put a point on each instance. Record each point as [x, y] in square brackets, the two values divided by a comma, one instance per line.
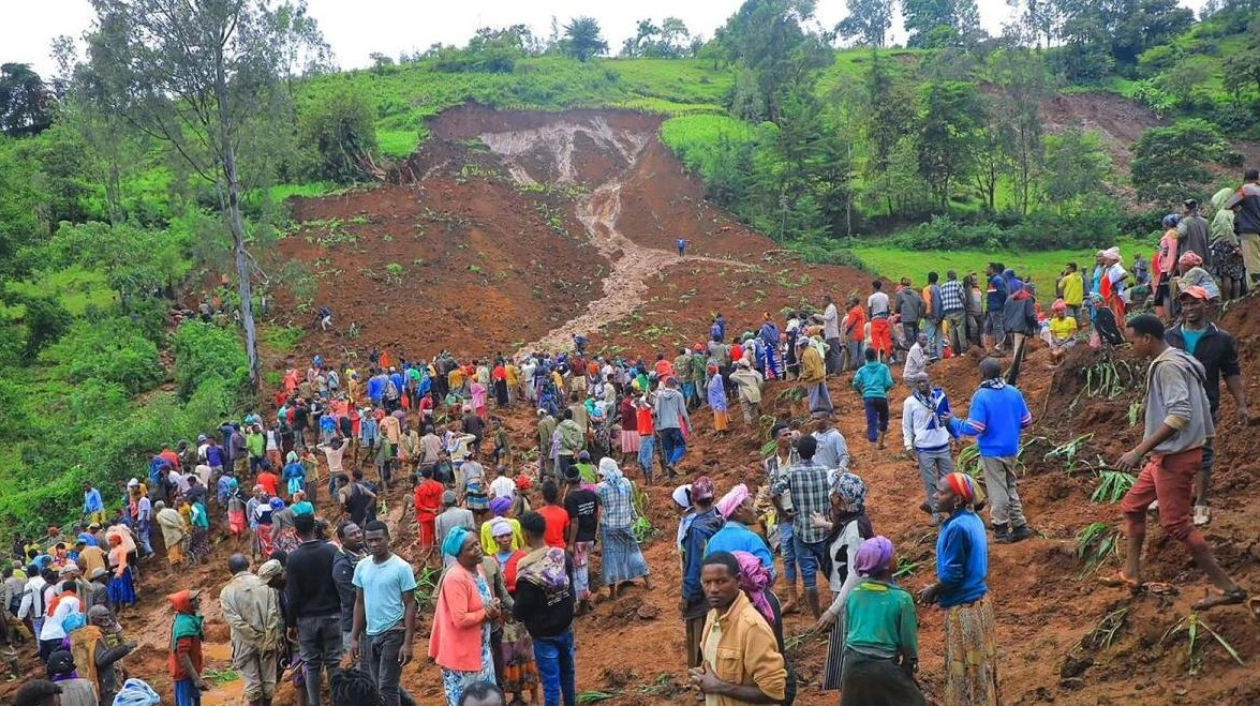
[997, 418]
[704, 526]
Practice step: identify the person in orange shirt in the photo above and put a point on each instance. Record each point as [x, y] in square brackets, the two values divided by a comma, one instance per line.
[663, 366]
[855, 333]
[428, 500]
[556, 516]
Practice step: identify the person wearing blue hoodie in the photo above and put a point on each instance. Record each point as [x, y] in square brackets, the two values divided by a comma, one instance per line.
[997, 418]
[873, 381]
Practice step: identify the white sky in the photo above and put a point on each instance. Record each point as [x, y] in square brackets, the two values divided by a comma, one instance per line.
[356, 28]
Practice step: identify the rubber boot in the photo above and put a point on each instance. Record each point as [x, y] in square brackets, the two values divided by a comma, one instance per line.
[811, 598]
[791, 605]
[1001, 532]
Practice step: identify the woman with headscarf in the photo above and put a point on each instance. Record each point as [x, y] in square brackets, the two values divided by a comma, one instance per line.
[962, 568]
[682, 499]
[623, 560]
[737, 535]
[460, 640]
[755, 580]
[1227, 257]
[174, 531]
[93, 654]
[1166, 266]
[1193, 275]
[263, 518]
[717, 400]
[881, 648]
[520, 671]
[122, 588]
[849, 526]
[1113, 285]
[499, 508]
[283, 528]
[294, 474]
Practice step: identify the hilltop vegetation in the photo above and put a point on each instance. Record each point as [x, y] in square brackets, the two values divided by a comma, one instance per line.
[944, 144]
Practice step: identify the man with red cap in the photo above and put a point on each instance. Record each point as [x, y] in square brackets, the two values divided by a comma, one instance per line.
[1217, 351]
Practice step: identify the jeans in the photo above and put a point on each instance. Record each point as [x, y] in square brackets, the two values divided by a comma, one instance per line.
[380, 659]
[647, 449]
[935, 345]
[857, 354]
[876, 417]
[788, 548]
[557, 667]
[673, 444]
[809, 556]
[319, 642]
[911, 330]
[933, 466]
[144, 529]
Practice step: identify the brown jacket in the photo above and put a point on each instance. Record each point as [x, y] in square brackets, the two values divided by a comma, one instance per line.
[747, 652]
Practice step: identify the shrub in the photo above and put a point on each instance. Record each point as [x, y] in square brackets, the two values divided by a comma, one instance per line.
[205, 353]
[341, 128]
[111, 351]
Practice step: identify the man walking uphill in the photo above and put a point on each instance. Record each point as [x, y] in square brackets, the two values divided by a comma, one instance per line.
[313, 607]
[1178, 425]
[671, 415]
[252, 610]
[1246, 205]
[1215, 349]
[807, 481]
[384, 609]
[997, 418]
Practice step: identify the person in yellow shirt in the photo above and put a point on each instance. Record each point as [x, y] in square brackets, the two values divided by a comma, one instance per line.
[742, 662]
[1072, 291]
[513, 381]
[1062, 331]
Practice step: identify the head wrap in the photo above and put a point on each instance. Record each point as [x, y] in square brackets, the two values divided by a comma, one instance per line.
[1196, 292]
[1171, 220]
[702, 489]
[99, 612]
[270, 570]
[1059, 306]
[1222, 196]
[136, 692]
[454, 542]
[524, 483]
[1113, 254]
[500, 505]
[732, 500]
[874, 556]
[500, 528]
[276, 503]
[682, 496]
[850, 487]
[292, 457]
[754, 579]
[963, 486]
[1190, 259]
[449, 498]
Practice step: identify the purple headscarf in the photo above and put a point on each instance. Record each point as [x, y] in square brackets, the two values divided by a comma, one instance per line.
[500, 505]
[754, 579]
[874, 555]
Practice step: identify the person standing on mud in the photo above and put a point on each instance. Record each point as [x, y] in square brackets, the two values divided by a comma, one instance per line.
[384, 611]
[997, 417]
[814, 378]
[1178, 427]
[831, 336]
[312, 606]
[808, 482]
[671, 415]
[704, 525]
[927, 437]
[252, 611]
[1216, 350]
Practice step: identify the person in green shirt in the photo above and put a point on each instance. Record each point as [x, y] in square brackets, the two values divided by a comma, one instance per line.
[881, 650]
[256, 443]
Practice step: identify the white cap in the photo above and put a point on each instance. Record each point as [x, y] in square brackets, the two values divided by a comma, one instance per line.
[133, 482]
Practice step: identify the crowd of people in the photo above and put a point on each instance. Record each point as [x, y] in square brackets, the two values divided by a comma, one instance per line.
[512, 534]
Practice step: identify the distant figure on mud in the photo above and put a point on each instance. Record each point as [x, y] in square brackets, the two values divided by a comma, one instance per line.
[325, 318]
[682, 246]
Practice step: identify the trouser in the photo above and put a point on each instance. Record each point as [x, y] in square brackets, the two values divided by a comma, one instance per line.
[820, 405]
[319, 642]
[935, 345]
[881, 336]
[186, 693]
[380, 659]
[933, 466]
[835, 356]
[876, 417]
[1000, 483]
[1169, 478]
[647, 449]
[47, 646]
[911, 331]
[689, 393]
[773, 367]
[788, 549]
[258, 670]
[1203, 486]
[793, 366]
[809, 556]
[144, 529]
[694, 630]
[674, 445]
[856, 354]
[752, 411]
[1250, 245]
[956, 323]
[557, 667]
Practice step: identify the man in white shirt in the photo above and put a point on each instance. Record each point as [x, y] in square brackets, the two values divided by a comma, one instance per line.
[831, 334]
[503, 486]
[52, 633]
[32, 605]
[916, 360]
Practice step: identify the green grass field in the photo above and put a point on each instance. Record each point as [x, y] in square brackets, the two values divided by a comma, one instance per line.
[1043, 266]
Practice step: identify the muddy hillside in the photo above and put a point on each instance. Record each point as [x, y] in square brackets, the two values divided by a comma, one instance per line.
[512, 231]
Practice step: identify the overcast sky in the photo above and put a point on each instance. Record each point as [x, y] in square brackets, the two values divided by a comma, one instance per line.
[356, 28]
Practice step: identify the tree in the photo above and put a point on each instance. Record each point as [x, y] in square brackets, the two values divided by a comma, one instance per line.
[341, 128]
[1169, 162]
[950, 120]
[933, 24]
[885, 124]
[583, 38]
[26, 104]
[868, 21]
[766, 36]
[1075, 165]
[207, 79]
[1024, 84]
[1242, 68]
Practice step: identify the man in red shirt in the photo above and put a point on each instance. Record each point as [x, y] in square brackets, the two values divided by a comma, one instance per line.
[556, 516]
[428, 502]
[269, 481]
[647, 438]
[855, 333]
[663, 366]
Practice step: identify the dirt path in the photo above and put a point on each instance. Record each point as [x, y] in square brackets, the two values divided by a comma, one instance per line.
[626, 286]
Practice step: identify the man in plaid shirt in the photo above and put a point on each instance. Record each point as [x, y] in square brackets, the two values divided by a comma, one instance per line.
[811, 493]
[954, 305]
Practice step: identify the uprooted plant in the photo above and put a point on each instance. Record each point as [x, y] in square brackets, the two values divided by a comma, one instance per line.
[1095, 544]
[1112, 486]
[1190, 626]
